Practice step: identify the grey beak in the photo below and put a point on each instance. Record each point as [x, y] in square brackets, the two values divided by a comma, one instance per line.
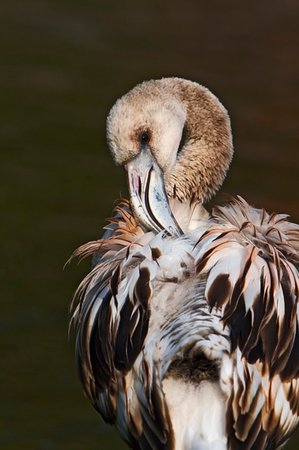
[149, 200]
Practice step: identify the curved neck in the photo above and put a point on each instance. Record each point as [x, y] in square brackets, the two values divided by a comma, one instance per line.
[190, 216]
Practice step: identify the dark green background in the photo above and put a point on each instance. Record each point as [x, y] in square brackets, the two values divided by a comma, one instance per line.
[63, 64]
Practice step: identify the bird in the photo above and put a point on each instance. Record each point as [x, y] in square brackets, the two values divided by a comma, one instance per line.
[186, 326]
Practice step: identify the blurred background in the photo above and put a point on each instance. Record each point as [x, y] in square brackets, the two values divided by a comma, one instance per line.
[63, 64]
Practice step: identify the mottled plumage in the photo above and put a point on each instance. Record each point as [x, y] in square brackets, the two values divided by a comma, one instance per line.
[189, 340]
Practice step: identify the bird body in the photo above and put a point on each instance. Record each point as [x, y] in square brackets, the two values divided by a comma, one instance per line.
[187, 326]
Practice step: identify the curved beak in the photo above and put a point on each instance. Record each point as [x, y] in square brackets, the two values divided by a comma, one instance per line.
[149, 199]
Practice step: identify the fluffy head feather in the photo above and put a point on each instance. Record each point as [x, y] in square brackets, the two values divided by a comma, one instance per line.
[187, 129]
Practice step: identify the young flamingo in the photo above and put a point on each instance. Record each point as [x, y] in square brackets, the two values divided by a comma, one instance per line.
[187, 326]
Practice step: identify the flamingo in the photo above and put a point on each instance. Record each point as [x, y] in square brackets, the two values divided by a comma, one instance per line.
[187, 325]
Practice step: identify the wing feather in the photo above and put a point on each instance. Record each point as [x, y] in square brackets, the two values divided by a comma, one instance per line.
[251, 263]
[111, 320]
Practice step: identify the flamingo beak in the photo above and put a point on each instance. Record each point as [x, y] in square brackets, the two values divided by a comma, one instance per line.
[149, 199]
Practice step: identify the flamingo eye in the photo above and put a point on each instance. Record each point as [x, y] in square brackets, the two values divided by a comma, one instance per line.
[144, 137]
